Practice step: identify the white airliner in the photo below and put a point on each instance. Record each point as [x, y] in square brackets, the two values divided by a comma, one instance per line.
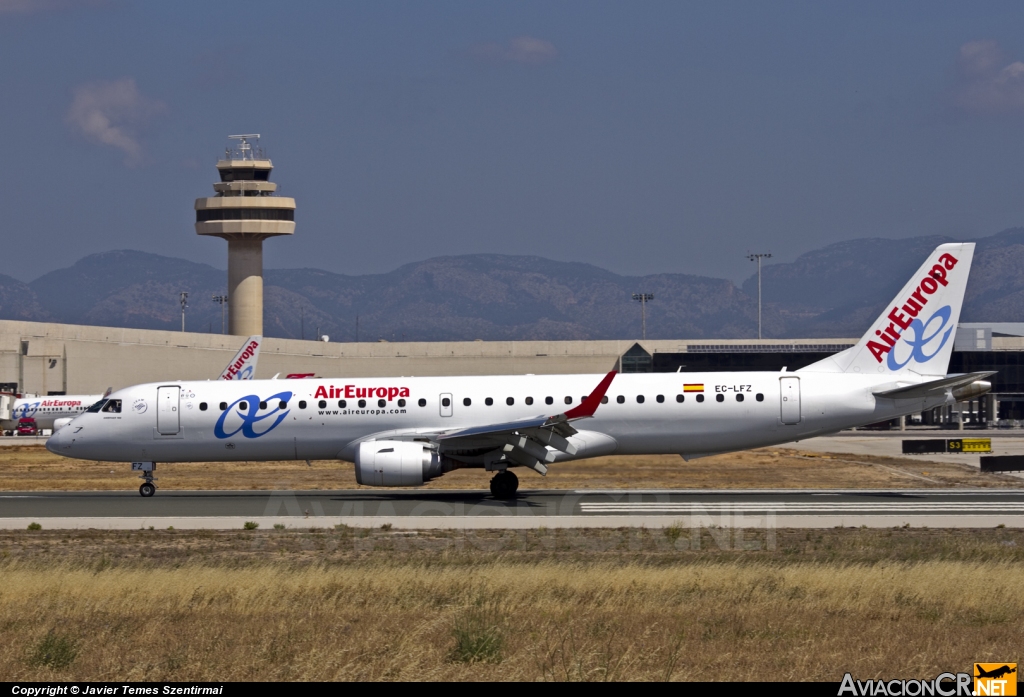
[405, 431]
[56, 411]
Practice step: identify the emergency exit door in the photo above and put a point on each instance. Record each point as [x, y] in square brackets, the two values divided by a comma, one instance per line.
[790, 400]
[167, 414]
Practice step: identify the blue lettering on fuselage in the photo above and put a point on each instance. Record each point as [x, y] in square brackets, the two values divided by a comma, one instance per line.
[250, 416]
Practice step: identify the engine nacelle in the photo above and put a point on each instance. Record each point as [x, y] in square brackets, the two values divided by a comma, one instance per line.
[396, 463]
[975, 389]
[58, 424]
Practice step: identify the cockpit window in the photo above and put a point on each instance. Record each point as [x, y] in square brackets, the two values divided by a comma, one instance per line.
[113, 406]
[96, 407]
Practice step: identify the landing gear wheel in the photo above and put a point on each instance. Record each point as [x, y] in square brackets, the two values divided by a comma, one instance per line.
[147, 489]
[504, 485]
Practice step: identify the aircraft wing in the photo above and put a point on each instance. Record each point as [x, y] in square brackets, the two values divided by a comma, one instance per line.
[523, 442]
[929, 388]
[243, 365]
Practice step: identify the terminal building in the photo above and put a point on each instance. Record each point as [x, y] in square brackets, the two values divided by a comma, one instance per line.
[53, 359]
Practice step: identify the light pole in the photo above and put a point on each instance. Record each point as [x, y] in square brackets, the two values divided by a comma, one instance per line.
[221, 299]
[758, 258]
[184, 304]
[643, 298]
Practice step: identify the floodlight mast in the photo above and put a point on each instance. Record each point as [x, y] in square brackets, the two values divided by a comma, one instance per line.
[757, 257]
[643, 299]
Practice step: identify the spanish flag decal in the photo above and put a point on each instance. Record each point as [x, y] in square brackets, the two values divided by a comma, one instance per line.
[693, 387]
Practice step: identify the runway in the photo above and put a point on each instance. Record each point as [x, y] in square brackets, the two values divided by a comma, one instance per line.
[460, 509]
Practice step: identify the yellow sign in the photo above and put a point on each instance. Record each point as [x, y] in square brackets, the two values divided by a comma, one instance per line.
[995, 678]
[977, 445]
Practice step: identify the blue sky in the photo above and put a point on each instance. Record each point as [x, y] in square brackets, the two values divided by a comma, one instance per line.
[642, 137]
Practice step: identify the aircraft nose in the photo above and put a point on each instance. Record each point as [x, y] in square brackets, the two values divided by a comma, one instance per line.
[55, 442]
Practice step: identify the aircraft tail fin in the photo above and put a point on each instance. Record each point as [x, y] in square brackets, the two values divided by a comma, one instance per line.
[916, 329]
[243, 365]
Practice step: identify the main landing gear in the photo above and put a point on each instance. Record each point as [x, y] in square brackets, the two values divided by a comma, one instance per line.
[504, 485]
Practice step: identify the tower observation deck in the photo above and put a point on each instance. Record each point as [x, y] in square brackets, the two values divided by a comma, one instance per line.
[245, 211]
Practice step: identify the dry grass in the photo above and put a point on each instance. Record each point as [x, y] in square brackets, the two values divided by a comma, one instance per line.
[33, 468]
[631, 605]
[552, 620]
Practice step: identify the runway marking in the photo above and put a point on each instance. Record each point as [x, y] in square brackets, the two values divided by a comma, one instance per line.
[822, 507]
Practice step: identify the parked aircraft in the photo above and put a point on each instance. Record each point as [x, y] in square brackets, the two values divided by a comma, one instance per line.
[406, 431]
[55, 411]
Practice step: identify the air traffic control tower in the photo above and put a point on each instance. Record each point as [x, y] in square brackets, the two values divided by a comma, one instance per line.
[245, 212]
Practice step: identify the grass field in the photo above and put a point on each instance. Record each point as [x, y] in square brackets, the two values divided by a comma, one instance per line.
[33, 468]
[532, 605]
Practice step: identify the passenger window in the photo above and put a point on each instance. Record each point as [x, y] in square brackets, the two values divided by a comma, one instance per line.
[244, 406]
[549, 400]
[302, 404]
[113, 406]
[202, 406]
[342, 404]
[639, 399]
[620, 399]
[362, 403]
[604, 400]
[660, 398]
[739, 397]
[223, 406]
[467, 402]
[446, 402]
[759, 397]
[568, 400]
[401, 402]
[680, 398]
[529, 401]
[263, 405]
[719, 397]
[700, 398]
[322, 404]
[382, 403]
[282, 404]
[422, 402]
[488, 401]
[510, 401]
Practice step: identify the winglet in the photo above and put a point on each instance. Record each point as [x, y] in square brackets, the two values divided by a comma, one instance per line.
[591, 403]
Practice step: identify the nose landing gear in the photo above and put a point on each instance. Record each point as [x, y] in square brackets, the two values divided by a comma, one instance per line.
[504, 485]
[148, 488]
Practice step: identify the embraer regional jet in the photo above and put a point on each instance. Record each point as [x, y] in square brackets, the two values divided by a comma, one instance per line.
[57, 411]
[406, 431]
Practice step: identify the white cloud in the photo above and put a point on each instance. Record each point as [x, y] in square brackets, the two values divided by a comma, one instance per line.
[110, 113]
[987, 82]
[527, 50]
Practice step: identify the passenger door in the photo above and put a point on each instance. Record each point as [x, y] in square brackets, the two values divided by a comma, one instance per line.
[790, 400]
[446, 404]
[167, 414]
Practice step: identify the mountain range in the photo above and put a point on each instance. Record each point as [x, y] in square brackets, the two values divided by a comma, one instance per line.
[835, 291]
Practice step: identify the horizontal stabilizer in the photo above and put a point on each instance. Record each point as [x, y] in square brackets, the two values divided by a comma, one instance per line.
[927, 389]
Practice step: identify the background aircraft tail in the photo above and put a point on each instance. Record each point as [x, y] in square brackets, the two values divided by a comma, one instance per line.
[915, 331]
[243, 365]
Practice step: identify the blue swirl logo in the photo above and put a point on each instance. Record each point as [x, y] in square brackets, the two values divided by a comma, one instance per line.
[25, 411]
[248, 412]
[923, 335]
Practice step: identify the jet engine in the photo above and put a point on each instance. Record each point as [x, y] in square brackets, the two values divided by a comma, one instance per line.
[397, 463]
[974, 389]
